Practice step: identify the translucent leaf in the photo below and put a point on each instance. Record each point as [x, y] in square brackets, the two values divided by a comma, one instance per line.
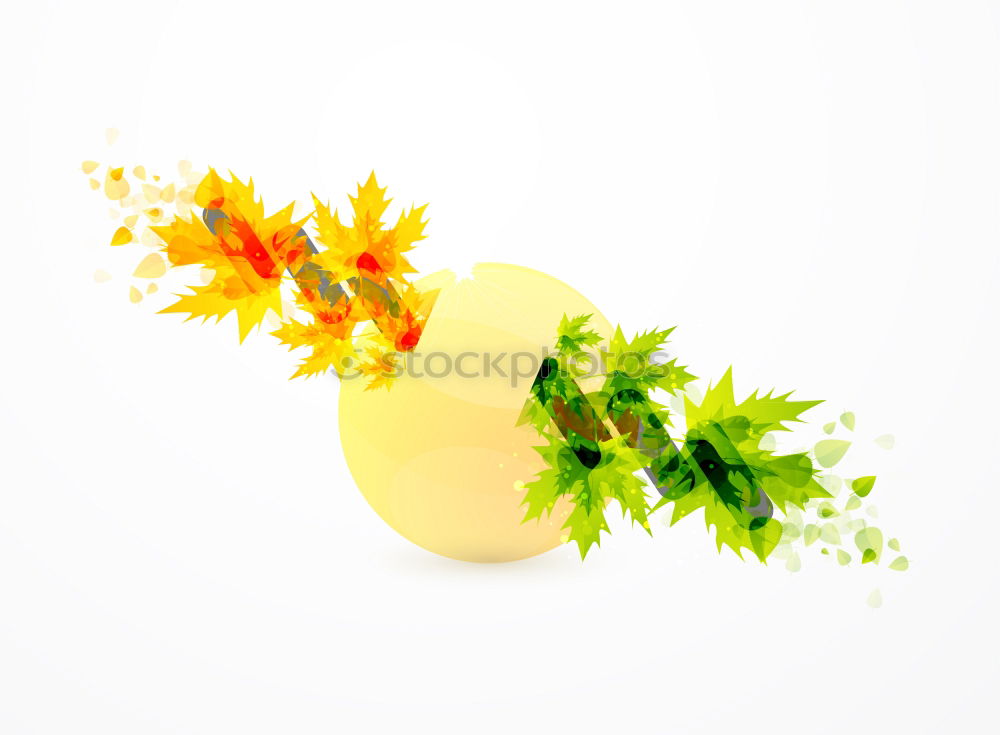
[830, 534]
[863, 485]
[794, 563]
[869, 538]
[868, 555]
[810, 533]
[89, 166]
[831, 451]
[875, 598]
[843, 557]
[828, 428]
[886, 441]
[847, 419]
[134, 295]
[826, 510]
[900, 564]
[853, 503]
[152, 266]
[894, 544]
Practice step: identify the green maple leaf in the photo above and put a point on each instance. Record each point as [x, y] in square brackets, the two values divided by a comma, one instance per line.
[721, 468]
[588, 489]
[674, 378]
[572, 335]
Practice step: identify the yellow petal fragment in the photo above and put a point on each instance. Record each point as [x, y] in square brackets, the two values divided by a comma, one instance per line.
[134, 295]
[102, 276]
[152, 266]
[139, 172]
[89, 166]
[111, 135]
[122, 236]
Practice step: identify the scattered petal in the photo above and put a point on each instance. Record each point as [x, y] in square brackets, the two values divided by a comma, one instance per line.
[167, 194]
[826, 510]
[894, 544]
[869, 539]
[886, 441]
[868, 555]
[843, 558]
[828, 428]
[134, 295]
[794, 563]
[831, 451]
[830, 534]
[122, 236]
[139, 172]
[900, 564]
[853, 503]
[152, 266]
[111, 135]
[847, 419]
[102, 276]
[152, 288]
[131, 220]
[810, 533]
[863, 485]
[95, 184]
[875, 598]
[89, 166]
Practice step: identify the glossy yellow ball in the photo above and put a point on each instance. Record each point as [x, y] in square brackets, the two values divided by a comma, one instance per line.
[439, 456]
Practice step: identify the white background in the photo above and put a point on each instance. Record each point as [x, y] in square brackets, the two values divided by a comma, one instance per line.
[810, 190]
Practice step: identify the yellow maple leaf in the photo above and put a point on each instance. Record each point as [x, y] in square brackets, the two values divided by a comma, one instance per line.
[366, 248]
[328, 335]
[247, 251]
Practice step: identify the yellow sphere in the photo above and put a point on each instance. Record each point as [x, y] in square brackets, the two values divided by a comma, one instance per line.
[439, 456]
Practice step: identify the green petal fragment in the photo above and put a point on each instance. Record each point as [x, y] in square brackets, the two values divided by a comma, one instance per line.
[869, 539]
[843, 557]
[886, 441]
[831, 451]
[828, 428]
[847, 419]
[863, 485]
[873, 511]
[794, 563]
[826, 510]
[824, 550]
[810, 533]
[900, 564]
[875, 598]
[867, 555]
[831, 483]
[830, 534]
[853, 503]
[790, 532]
[894, 544]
